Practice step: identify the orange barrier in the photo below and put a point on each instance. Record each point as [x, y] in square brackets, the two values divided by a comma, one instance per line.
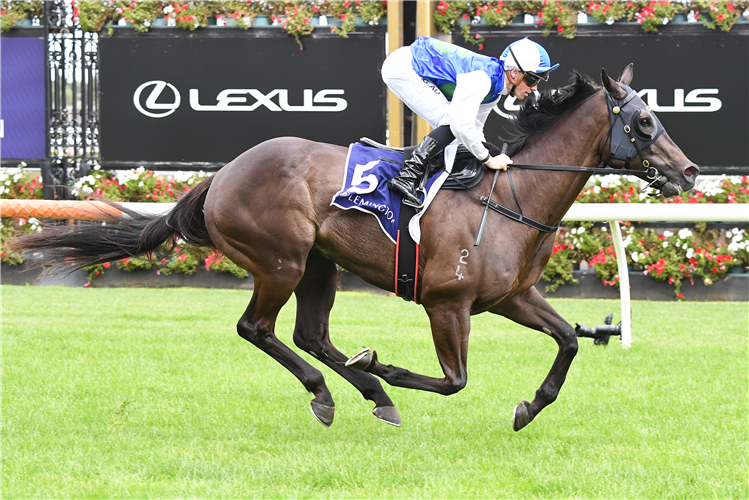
[48, 209]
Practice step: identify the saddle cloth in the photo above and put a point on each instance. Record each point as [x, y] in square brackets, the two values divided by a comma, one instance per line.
[364, 187]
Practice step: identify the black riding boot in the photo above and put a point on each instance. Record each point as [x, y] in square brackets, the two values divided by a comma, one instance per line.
[413, 169]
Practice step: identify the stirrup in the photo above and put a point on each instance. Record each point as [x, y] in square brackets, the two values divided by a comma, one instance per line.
[406, 193]
[419, 191]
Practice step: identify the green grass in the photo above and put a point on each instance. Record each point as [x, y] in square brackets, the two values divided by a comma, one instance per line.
[136, 393]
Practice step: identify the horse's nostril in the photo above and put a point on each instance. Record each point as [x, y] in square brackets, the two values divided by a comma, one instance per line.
[691, 171]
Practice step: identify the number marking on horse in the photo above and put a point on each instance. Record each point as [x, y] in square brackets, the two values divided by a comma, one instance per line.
[463, 257]
[462, 260]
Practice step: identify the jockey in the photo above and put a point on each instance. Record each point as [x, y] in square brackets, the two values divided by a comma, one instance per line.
[454, 90]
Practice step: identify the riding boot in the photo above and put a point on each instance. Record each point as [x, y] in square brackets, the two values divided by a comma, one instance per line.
[413, 169]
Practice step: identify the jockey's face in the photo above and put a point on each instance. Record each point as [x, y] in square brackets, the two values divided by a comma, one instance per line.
[522, 89]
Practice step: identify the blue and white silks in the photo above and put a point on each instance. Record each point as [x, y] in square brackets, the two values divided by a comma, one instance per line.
[365, 188]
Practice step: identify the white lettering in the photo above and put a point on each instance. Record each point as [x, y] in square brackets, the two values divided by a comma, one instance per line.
[236, 100]
[681, 103]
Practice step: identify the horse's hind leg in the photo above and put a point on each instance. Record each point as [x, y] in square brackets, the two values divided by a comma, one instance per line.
[257, 326]
[315, 295]
[531, 309]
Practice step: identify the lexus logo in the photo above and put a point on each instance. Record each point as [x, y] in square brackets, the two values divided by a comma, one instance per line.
[165, 109]
[237, 100]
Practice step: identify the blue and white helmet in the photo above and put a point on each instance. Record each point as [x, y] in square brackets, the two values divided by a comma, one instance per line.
[528, 56]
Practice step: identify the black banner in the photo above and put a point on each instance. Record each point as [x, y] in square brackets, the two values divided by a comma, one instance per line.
[697, 81]
[193, 98]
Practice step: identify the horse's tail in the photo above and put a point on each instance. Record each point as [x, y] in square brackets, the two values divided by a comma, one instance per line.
[128, 235]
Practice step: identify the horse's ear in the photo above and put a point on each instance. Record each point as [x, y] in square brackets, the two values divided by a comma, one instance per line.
[612, 87]
[627, 74]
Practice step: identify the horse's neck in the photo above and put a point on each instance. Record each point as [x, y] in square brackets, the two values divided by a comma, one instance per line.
[575, 140]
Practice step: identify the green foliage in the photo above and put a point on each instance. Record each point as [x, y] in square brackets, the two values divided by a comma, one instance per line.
[719, 14]
[219, 263]
[7, 232]
[559, 269]
[11, 12]
[16, 184]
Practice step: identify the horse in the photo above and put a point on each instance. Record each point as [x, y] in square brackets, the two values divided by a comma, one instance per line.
[269, 211]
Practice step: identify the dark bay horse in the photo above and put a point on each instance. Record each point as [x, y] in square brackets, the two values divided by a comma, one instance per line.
[270, 212]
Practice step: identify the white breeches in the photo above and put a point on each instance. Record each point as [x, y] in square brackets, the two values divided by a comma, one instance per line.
[416, 92]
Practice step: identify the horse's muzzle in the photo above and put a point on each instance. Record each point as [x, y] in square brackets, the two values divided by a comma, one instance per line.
[681, 180]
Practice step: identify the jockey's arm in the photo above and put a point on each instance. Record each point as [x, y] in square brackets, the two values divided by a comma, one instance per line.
[465, 122]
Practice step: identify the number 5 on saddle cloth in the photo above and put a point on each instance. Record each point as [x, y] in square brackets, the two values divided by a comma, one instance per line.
[369, 166]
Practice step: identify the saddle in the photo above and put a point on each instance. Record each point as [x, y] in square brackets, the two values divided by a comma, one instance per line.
[466, 173]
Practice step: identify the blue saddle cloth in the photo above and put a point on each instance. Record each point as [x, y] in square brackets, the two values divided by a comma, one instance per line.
[365, 188]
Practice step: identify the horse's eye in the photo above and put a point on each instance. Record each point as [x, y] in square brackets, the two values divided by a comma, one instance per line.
[645, 122]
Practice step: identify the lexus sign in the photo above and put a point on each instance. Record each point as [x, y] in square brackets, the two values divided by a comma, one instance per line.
[207, 99]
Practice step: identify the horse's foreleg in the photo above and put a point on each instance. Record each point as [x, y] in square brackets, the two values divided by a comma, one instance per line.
[315, 295]
[257, 326]
[450, 329]
[531, 309]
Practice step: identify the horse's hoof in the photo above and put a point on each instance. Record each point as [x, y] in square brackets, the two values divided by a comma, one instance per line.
[387, 414]
[521, 418]
[324, 414]
[362, 360]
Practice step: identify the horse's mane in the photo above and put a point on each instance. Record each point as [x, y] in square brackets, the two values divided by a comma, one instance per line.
[537, 115]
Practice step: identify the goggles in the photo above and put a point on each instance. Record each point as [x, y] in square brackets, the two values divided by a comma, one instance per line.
[531, 79]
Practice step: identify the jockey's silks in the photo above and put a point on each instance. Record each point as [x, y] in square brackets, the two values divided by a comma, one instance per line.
[442, 62]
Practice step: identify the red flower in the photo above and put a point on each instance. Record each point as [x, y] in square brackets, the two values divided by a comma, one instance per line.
[680, 295]
[106, 265]
[347, 4]
[560, 28]
[343, 17]
[720, 17]
[715, 269]
[465, 16]
[481, 46]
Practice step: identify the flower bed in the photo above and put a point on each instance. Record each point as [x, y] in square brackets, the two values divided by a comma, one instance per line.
[296, 17]
[675, 256]
[561, 16]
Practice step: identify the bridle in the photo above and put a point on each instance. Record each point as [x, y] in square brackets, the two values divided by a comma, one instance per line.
[628, 141]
